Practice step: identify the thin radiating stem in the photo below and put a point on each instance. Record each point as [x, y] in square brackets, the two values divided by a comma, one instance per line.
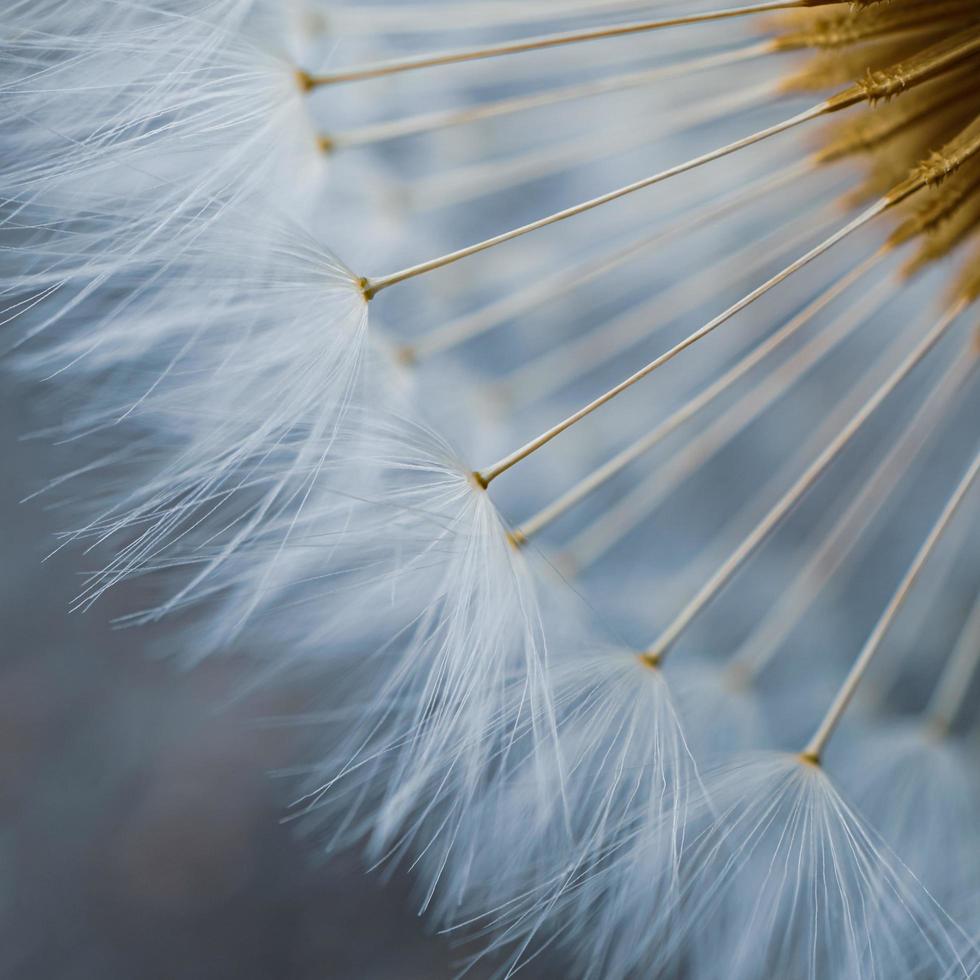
[488, 177]
[815, 747]
[540, 291]
[686, 412]
[372, 287]
[883, 85]
[768, 636]
[548, 372]
[383, 69]
[444, 119]
[688, 580]
[491, 473]
[627, 513]
[774, 518]
[426, 18]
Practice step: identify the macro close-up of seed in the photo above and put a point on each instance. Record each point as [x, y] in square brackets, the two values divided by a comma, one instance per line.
[492, 488]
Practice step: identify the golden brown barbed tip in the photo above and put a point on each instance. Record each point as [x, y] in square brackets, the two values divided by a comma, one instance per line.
[915, 66]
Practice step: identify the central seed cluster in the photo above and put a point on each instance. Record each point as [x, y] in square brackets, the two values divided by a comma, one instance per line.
[919, 63]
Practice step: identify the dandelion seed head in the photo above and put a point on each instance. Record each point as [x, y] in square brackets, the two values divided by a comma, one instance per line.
[631, 354]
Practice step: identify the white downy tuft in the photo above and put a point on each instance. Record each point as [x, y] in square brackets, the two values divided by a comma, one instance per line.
[232, 380]
[172, 121]
[600, 878]
[788, 880]
[452, 684]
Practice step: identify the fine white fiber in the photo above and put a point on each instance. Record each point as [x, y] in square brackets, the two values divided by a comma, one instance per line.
[804, 887]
